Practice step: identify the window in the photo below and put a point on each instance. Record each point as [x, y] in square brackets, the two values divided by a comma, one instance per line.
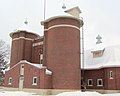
[22, 69]
[99, 82]
[111, 74]
[90, 82]
[41, 58]
[10, 81]
[34, 81]
[22, 66]
[98, 52]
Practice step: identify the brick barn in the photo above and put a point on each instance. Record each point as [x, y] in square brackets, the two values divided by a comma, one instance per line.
[51, 61]
[101, 69]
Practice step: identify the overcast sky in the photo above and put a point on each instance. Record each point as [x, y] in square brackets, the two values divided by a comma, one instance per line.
[100, 17]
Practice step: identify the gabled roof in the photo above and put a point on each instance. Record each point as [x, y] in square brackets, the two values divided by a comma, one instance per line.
[110, 58]
[40, 66]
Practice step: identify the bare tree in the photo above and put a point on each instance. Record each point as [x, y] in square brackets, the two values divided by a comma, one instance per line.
[4, 53]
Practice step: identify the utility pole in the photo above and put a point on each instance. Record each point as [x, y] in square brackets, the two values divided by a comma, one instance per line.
[44, 9]
[82, 54]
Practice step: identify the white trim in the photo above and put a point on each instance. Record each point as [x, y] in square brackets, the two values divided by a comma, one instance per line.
[21, 38]
[24, 61]
[37, 44]
[41, 58]
[48, 72]
[99, 67]
[91, 82]
[62, 25]
[22, 69]
[10, 81]
[25, 31]
[33, 83]
[98, 82]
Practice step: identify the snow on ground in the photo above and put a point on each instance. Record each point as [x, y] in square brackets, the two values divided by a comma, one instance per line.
[115, 94]
[77, 93]
[17, 93]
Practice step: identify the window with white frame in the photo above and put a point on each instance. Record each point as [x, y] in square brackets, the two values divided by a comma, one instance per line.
[111, 74]
[22, 69]
[34, 81]
[97, 53]
[99, 82]
[10, 81]
[41, 58]
[90, 82]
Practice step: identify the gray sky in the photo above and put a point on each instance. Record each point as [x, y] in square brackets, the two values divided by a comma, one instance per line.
[100, 17]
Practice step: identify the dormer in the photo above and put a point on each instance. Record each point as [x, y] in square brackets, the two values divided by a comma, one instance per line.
[98, 52]
[99, 48]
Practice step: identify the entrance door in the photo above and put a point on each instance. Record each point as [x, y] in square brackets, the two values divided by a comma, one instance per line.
[21, 81]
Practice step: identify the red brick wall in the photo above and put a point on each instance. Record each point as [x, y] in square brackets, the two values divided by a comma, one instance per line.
[21, 47]
[108, 84]
[28, 50]
[48, 81]
[63, 20]
[117, 77]
[93, 74]
[36, 51]
[14, 53]
[112, 84]
[44, 81]
[63, 53]
[14, 73]
[29, 73]
[24, 34]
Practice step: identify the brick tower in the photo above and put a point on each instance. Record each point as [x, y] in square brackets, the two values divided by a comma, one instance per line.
[62, 51]
[22, 40]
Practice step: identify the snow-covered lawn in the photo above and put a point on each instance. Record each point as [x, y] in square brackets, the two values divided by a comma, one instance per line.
[17, 93]
[115, 94]
[77, 93]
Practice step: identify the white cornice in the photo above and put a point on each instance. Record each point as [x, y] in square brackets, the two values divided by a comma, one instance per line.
[62, 25]
[38, 43]
[21, 38]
